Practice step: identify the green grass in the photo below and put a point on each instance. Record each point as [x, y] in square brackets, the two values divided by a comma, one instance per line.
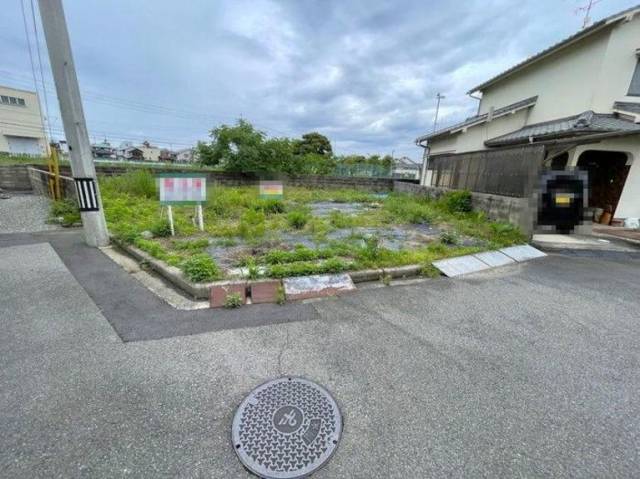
[7, 159]
[236, 215]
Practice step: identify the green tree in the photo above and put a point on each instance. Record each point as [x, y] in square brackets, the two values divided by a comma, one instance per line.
[313, 142]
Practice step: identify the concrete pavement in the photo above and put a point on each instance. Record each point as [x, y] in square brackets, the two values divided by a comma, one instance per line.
[528, 370]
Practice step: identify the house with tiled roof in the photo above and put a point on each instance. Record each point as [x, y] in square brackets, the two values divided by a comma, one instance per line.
[579, 98]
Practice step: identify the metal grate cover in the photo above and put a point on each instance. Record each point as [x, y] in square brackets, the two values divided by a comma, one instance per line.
[286, 428]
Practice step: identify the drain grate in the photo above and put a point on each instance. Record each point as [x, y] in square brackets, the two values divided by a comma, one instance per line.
[286, 428]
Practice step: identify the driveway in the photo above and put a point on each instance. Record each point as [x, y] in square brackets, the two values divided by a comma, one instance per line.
[531, 370]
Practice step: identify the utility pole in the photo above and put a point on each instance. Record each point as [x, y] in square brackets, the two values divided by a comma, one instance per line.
[75, 128]
[435, 120]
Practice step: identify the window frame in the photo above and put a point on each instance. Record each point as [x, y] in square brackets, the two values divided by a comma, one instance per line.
[634, 85]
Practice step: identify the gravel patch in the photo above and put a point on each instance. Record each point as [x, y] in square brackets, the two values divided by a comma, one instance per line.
[24, 213]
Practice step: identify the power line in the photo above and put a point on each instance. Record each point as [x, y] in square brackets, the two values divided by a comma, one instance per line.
[33, 69]
[122, 103]
[164, 141]
[37, 41]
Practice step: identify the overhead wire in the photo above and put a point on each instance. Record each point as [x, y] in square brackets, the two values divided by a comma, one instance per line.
[44, 91]
[33, 69]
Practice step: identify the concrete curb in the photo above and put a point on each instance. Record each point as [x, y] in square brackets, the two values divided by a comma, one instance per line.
[170, 273]
[631, 241]
[404, 271]
[202, 290]
[365, 275]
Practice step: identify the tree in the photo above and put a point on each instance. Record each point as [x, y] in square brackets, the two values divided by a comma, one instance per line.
[313, 142]
[243, 149]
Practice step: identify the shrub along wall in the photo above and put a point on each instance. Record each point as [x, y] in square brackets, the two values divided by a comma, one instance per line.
[236, 179]
[510, 209]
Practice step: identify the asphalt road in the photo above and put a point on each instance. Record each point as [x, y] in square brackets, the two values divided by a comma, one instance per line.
[528, 371]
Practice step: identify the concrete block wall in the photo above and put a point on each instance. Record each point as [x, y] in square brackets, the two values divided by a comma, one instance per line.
[238, 179]
[14, 178]
[39, 183]
[517, 211]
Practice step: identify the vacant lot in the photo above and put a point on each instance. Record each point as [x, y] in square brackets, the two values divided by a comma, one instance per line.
[309, 231]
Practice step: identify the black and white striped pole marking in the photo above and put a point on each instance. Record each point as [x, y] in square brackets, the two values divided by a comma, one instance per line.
[87, 197]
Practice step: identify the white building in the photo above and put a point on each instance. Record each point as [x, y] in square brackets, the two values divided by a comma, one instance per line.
[185, 156]
[406, 169]
[21, 128]
[150, 152]
[579, 97]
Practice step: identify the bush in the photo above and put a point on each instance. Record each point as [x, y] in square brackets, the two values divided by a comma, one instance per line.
[305, 268]
[200, 267]
[161, 229]
[67, 210]
[126, 233]
[371, 250]
[253, 271]
[233, 300]
[333, 265]
[449, 237]
[252, 225]
[280, 297]
[299, 254]
[340, 220]
[154, 249]
[298, 219]
[457, 201]
[137, 183]
[409, 210]
[268, 207]
[506, 234]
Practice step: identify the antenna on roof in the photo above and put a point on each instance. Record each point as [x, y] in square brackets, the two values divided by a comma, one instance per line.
[587, 11]
[435, 120]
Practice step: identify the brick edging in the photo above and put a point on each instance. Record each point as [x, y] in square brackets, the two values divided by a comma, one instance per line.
[203, 290]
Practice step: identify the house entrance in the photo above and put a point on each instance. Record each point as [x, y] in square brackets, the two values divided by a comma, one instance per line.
[607, 171]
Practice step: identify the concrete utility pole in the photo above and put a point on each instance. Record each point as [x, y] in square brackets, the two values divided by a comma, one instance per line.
[75, 128]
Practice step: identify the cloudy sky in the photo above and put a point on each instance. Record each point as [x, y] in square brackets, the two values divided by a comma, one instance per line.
[363, 72]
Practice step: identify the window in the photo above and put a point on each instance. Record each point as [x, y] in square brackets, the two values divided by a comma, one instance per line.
[634, 88]
[12, 100]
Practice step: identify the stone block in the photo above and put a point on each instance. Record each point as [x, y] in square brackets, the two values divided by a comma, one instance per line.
[265, 291]
[460, 265]
[317, 286]
[220, 291]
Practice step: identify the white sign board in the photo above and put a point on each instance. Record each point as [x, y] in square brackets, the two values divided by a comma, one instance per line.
[182, 189]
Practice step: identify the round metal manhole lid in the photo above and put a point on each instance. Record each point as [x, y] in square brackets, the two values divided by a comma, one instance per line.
[286, 428]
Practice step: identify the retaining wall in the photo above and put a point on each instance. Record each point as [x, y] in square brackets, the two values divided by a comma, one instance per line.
[517, 211]
[14, 177]
[39, 183]
[237, 179]
[18, 175]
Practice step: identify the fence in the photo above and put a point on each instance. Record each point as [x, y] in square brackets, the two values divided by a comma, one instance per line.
[362, 170]
[237, 179]
[39, 183]
[507, 172]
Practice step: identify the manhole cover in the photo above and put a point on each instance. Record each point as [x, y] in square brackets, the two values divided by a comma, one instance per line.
[286, 428]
